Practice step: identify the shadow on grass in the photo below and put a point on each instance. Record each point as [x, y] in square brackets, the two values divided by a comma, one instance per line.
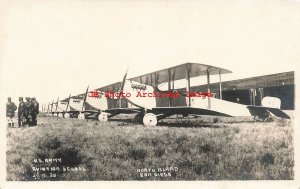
[178, 123]
[193, 123]
[190, 125]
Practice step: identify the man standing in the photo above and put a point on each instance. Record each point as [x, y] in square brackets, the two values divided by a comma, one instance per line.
[27, 111]
[10, 112]
[35, 111]
[21, 111]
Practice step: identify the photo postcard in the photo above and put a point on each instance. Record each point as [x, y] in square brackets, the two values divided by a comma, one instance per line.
[149, 92]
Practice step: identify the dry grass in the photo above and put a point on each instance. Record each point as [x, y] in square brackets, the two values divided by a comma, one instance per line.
[203, 149]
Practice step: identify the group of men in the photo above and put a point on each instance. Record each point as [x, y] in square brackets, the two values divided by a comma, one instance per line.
[27, 112]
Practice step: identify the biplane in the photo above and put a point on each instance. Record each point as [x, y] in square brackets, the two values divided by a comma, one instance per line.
[51, 109]
[95, 102]
[82, 107]
[62, 107]
[54, 108]
[91, 107]
[152, 109]
[68, 108]
[73, 107]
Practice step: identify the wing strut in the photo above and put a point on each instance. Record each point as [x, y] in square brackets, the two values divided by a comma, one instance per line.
[86, 92]
[68, 102]
[188, 83]
[220, 84]
[48, 108]
[56, 104]
[169, 86]
[52, 105]
[121, 89]
[208, 87]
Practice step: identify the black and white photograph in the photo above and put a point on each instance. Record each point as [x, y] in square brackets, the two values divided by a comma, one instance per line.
[149, 91]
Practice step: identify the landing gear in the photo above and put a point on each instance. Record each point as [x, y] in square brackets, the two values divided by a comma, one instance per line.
[67, 115]
[150, 119]
[262, 118]
[185, 115]
[103, 117]
[81, 116]
[138, 118]
[60, 115]
[266, 116]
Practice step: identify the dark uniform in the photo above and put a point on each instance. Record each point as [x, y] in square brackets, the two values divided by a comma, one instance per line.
[27, 111]
[10, 112]
[21, 111]
[35, 111]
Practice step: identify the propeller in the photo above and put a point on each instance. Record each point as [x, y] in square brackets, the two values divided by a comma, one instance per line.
[56, 104]
[122, 87]
[52, 105]
[48, 108]
[86, 92]
[68, 102]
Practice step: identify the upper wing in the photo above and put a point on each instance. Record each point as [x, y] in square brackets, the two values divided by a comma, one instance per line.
[178, 72]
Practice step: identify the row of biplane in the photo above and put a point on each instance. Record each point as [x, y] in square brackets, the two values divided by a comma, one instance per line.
[96, 104]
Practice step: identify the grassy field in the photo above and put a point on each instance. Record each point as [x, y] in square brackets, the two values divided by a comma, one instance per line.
[187, 149]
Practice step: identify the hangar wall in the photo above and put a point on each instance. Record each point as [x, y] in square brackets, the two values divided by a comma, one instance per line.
[250, 91]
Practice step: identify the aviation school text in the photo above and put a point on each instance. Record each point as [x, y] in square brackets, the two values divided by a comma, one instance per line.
[110, 94]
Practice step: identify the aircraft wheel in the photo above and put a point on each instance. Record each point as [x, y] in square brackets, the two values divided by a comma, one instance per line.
[60, 115]
[103, 117]
[150, 119]
[81, 116]
[67, 115]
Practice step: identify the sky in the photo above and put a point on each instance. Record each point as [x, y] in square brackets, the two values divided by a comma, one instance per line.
[49, 49]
